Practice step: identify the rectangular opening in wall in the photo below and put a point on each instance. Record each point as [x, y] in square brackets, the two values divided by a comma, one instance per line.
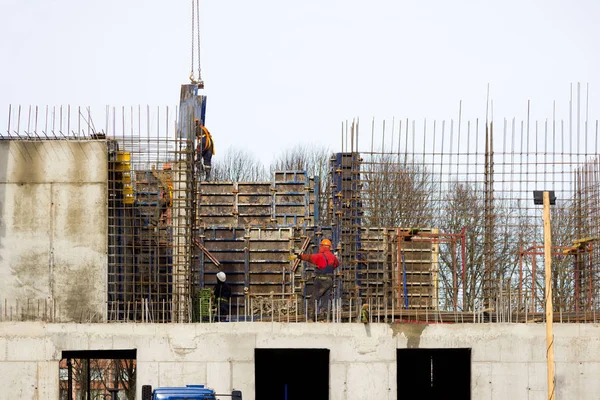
[97, 374]
[291, 374]
[434, 373]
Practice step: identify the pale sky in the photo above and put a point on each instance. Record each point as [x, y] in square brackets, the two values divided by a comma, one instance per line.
[280, 73]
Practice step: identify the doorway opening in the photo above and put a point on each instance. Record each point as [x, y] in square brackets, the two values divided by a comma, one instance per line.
[291, 374]
[434, 373]
[97, 375]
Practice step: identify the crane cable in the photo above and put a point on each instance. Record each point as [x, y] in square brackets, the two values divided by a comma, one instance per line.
[196, 30]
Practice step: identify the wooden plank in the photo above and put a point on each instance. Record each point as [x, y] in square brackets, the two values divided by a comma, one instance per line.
[548, 294]
[302, 250]
[206, 252]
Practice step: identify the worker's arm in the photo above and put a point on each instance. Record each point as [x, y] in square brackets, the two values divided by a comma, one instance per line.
[336, 261]
[315, 259]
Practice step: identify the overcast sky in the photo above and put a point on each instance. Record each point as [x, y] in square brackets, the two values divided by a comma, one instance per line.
[280, 73]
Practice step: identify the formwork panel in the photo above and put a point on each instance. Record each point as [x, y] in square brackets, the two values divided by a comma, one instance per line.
[254, 210]
[289, 176]
[211, 220]
[290, 187]
[216, 188]
[292, 209]
[255, 199]
[293, 220]
[226, 232]
[270, 233]
[228, 255]
[254, 188]
[293, 199]
[215, 211]
[268, 256]
[269, 246]
[254, 220]
[225, 199]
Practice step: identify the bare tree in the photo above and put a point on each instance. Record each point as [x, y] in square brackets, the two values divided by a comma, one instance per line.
[315, 161]
[117, 373]
[531, 241]
[396, 192]
[462, 259]
[79, 376]
[104, 374]
[237, 165]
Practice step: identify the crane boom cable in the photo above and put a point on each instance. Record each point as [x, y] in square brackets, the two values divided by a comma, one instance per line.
[198, 33]
[192, 63]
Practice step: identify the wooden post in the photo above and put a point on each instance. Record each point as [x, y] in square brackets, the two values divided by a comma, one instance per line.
[548, 295]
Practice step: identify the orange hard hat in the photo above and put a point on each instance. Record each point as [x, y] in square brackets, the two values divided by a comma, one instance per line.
[326, 242]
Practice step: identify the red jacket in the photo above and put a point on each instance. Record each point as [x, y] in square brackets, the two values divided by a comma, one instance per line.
[325, 260]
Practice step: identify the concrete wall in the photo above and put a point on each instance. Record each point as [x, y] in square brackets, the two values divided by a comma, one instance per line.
[508, 361]
[53, 227]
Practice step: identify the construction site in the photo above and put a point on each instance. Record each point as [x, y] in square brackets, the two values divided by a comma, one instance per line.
[435, 223]
[423, 231]
[469, 262]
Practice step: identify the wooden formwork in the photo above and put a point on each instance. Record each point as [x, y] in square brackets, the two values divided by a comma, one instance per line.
[255, 260]
[417, 269]
[378, 263]
[280, 203]
[382, 263]
[251, 229]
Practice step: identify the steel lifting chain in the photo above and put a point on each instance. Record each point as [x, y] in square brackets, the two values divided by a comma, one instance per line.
[196, 30]
[192, 66]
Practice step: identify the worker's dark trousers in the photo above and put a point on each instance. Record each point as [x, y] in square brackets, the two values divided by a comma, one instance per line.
[222, 311]
[203, 164]
[322, 288]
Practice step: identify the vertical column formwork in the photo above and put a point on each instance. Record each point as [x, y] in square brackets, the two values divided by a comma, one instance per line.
[182, 233]
[417, 271]
[346, 214]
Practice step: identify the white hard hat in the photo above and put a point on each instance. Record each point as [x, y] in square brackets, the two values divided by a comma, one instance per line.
[221, 276]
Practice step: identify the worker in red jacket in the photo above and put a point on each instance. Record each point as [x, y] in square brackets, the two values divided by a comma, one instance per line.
[326, 263]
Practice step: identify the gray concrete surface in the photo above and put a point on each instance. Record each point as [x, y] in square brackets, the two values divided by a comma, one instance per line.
[508, 360]
[53, 226]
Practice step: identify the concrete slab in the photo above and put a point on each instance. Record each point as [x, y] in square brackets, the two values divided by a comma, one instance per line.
[537, 395]
[161, 350]
[208, 347]
[29, 349]
[218, 376]
[392, 381]
[54, 213]
[589, 384]
[47, 383]
[243, 378]
[21, 378]
[509, 381]
[3, 349]
[75, 340]
[368, 381]
[537, 376]
[585, 349]
[570, 382]
[587, 330]
[147, 374]
[337, 381]
[363, 363]
[29, 329]
[181, 374]
[481, 380]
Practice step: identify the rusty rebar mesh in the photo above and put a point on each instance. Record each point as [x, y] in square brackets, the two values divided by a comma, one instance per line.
[456, 220]
[435, 222]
